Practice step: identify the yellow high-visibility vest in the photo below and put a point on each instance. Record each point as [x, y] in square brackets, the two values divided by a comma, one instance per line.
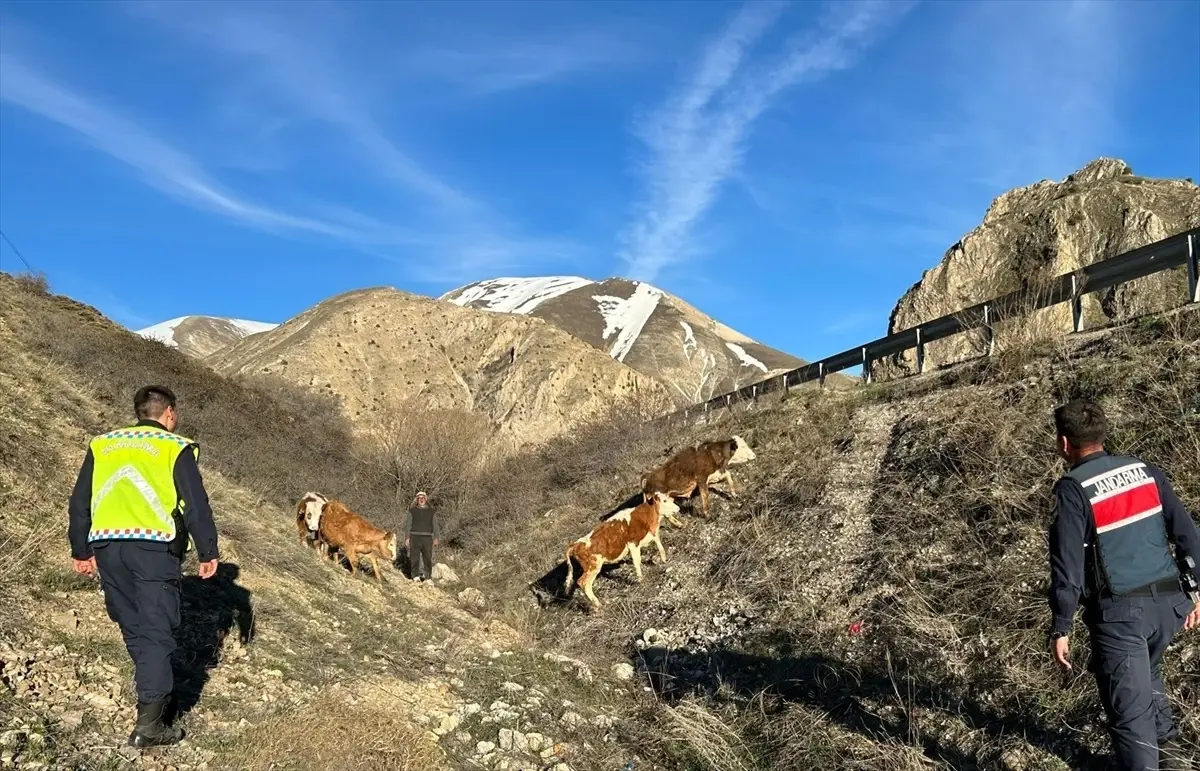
[133, 484]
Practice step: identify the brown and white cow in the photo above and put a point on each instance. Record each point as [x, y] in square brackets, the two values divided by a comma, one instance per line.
[626, 532]
[310, 506]
[339, 528]
[698, 467]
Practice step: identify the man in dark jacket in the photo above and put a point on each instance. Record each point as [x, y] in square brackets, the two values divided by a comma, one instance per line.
[1116, 519]
[138, 497]
[421, 534]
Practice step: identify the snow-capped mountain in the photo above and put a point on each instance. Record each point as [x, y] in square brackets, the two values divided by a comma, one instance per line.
[201, 336]
[638, 324]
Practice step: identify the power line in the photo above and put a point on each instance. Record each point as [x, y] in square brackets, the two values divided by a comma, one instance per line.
[16, 251]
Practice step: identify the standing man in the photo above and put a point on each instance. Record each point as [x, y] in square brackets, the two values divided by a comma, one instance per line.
[138, 497]
[421, 534]
[1116, 518]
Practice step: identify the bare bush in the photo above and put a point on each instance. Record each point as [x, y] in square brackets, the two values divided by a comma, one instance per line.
[439, 451]
[34, 282]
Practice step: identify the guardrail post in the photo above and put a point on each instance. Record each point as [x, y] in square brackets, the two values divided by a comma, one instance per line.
[754, 392]
[1076, 305]
[821, 373]
[1193, 270]
[920, 352]
[866, 366]
[989, 334]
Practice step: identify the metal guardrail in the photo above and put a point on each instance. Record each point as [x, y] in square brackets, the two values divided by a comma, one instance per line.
[1168, 254]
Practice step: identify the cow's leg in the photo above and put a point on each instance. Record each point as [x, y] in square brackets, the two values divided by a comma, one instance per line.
[352, 556]
[704, 498]
[662, 553]
[591, 570]
[729, 479]
[375, 567]
[635, 551]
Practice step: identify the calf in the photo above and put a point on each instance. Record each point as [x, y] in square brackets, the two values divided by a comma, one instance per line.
[340, 528]
[311, 503]
[626, 532]
[696, 468]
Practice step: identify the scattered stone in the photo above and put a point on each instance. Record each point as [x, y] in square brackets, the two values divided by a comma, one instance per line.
[443, 573]
[448, 724]
[483, 748]
[472, 598]
[623, 671]
[67, 620]
[512, 687]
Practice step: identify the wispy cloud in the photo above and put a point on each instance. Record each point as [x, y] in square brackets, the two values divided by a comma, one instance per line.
[697, 139]
[271, 53]
[493, 69]
[160, 164]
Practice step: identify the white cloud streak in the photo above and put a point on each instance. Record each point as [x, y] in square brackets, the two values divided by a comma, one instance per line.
[162, 166]
[697, 139]
[268, 52]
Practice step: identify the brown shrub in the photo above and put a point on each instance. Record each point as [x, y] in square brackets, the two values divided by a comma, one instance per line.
[439, 451]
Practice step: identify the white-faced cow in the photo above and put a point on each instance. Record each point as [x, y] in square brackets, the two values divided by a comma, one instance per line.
[624, 533]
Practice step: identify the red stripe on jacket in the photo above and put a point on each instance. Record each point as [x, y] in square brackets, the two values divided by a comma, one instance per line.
[1122, 506]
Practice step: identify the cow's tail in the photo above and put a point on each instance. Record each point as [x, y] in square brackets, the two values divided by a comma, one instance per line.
[570, 572]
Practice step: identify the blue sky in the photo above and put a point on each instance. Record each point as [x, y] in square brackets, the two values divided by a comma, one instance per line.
[789, 169]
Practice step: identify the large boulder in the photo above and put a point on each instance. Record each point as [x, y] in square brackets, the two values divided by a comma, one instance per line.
[1032, 234]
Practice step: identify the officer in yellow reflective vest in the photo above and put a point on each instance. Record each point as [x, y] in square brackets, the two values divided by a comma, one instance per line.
[138, 498]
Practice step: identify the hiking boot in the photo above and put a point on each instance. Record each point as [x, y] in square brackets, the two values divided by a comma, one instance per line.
[151, 730]
[1171, 757]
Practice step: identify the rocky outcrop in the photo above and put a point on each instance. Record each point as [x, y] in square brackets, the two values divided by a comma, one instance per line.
[1035, 233]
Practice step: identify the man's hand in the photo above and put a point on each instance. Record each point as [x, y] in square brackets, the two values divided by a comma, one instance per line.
[1193, 619]
[405, 543]
[1061, 648]
[85, 567]
[436, 542]
[208, 569]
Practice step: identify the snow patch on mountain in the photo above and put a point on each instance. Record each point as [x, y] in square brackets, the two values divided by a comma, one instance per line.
[516, 295]
[164, 332]
[689, 339]
[746, 359]
[627, 316]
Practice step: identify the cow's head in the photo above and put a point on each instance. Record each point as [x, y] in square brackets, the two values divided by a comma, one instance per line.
[741, 451]
[666, 504]
[389, 547]
[312, 505]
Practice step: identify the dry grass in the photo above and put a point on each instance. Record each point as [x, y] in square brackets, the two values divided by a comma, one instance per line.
[951, 670]
[333, 734]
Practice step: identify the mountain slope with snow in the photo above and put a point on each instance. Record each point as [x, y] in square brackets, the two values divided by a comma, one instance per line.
[637, 324]
[202, 336]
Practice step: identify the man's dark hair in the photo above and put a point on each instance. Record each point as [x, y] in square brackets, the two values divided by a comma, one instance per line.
[150, 402]
[1082, 422]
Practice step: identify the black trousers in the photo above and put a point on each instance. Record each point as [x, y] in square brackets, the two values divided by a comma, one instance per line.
[141, 594]
[1129, 636]
[420, 546]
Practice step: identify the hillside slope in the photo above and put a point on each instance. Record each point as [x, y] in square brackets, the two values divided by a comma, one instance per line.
[876, 595]
[335, 674]
[381, 350]
[1042, 231]
[648, 329]
[201, 336]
